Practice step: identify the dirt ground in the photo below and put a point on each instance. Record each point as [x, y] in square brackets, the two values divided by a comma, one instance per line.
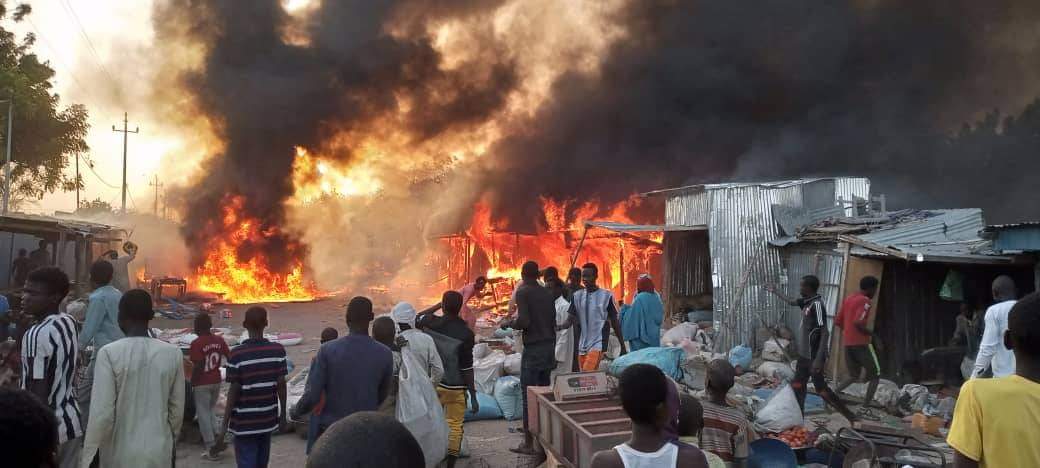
[488, 440]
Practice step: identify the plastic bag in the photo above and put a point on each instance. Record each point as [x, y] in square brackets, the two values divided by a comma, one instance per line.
[781, 411]
[967, 367]
[488, 408]
[773, 350]
[669, 360]
[953, 287]
[676, 334]
[776, 370]
[419, 409]
[481, 350]
[511, 365]
[740, 356]
[487, 370]
[509, 395]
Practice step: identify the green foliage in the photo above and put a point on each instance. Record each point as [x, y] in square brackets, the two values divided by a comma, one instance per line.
[94, 207]
[46, 137]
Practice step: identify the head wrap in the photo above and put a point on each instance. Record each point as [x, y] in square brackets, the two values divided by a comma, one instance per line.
[403, 312]
[645, 283]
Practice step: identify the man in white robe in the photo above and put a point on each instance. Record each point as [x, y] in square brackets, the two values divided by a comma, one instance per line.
[137, 404]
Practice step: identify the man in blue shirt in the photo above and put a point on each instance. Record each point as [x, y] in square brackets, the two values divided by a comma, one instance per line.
[354, 372]
[102, 324]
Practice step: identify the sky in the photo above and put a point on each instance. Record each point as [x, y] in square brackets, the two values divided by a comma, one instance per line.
[83, 42]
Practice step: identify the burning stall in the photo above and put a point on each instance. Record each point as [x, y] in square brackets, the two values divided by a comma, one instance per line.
[566, 238]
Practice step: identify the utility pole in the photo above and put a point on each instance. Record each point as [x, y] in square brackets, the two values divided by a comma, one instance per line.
[125, 131]
[77, 182]
[158, 185]
[7, 160]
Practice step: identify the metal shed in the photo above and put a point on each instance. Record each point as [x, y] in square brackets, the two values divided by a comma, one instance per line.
[741, 221]
[74, 244]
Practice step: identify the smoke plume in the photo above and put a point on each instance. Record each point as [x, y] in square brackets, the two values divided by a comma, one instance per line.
[446, 102]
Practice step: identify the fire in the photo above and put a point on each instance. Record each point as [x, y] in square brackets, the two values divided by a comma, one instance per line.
[620, 258]
[315, 177]
[241, 281]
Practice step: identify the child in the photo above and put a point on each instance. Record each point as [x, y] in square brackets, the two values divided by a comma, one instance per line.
[256, 408]
[384, 331]
[207, 353]
[644, 389]
[725, 431]
[691, 422]
[327, 335]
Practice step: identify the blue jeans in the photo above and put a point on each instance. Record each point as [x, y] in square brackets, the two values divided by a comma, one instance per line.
[253, 451]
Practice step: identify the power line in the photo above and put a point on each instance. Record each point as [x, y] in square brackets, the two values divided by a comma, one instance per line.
[90, 44]
[98, 104]
[90, 165]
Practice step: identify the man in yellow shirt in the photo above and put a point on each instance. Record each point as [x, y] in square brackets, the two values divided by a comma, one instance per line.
[997, 421]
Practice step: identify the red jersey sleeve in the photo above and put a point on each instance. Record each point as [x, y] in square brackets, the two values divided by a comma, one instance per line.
[863, 312]
[195, 352]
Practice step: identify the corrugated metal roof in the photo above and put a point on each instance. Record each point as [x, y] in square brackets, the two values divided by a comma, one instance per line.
[1013, 225]
[939, 226]
[730, 185]
[50, 222]
[622, 227]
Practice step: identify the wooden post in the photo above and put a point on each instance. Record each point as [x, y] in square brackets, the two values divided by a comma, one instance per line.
[622, 270]
[574, 258]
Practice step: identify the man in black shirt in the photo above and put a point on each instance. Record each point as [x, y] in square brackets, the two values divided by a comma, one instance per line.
[453, 339]
[813, 340]
[536, 317]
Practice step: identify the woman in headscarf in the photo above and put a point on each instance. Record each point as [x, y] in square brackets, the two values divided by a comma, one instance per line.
[641, 322]
[419, 343]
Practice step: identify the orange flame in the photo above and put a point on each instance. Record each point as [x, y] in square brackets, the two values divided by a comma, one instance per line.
[248, 281]
[555, 242]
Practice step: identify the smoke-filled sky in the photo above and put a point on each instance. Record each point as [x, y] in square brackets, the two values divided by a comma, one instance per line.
[440, 103]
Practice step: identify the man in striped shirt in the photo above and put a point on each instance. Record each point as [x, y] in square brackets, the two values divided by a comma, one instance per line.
[49, 351]
[726, 431]
[256, 371]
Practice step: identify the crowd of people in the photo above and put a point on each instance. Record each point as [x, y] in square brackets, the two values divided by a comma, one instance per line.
[128, 407]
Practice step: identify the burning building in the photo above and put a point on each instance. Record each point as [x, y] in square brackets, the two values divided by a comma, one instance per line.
[487, 248]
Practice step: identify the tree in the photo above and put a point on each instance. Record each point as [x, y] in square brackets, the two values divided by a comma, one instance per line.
[94, 207]
[45, 136]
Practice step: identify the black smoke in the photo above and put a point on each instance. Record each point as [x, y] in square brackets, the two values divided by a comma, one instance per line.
[266, 95]
[695, 91]
[704, 91]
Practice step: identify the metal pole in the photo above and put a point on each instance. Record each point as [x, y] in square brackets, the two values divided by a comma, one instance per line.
[7, 159]
[125, 135]
[77, 182]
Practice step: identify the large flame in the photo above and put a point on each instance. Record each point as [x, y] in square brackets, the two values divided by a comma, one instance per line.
[620, 258]
[241, 281]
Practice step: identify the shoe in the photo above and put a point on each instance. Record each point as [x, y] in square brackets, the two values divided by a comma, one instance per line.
[210, 457]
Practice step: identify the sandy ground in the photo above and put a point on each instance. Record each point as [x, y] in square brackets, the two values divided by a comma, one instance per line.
[488, 440]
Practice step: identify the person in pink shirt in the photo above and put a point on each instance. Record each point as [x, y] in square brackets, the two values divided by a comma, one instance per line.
[469, 291]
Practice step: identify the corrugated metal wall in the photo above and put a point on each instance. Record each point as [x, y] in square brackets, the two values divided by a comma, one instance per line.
[741, 227]
[688, 209]
[821, 260]
[848, 188]
[690, 263]
[912, 318]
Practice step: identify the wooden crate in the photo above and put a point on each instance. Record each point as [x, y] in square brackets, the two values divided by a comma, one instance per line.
[574, 430]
